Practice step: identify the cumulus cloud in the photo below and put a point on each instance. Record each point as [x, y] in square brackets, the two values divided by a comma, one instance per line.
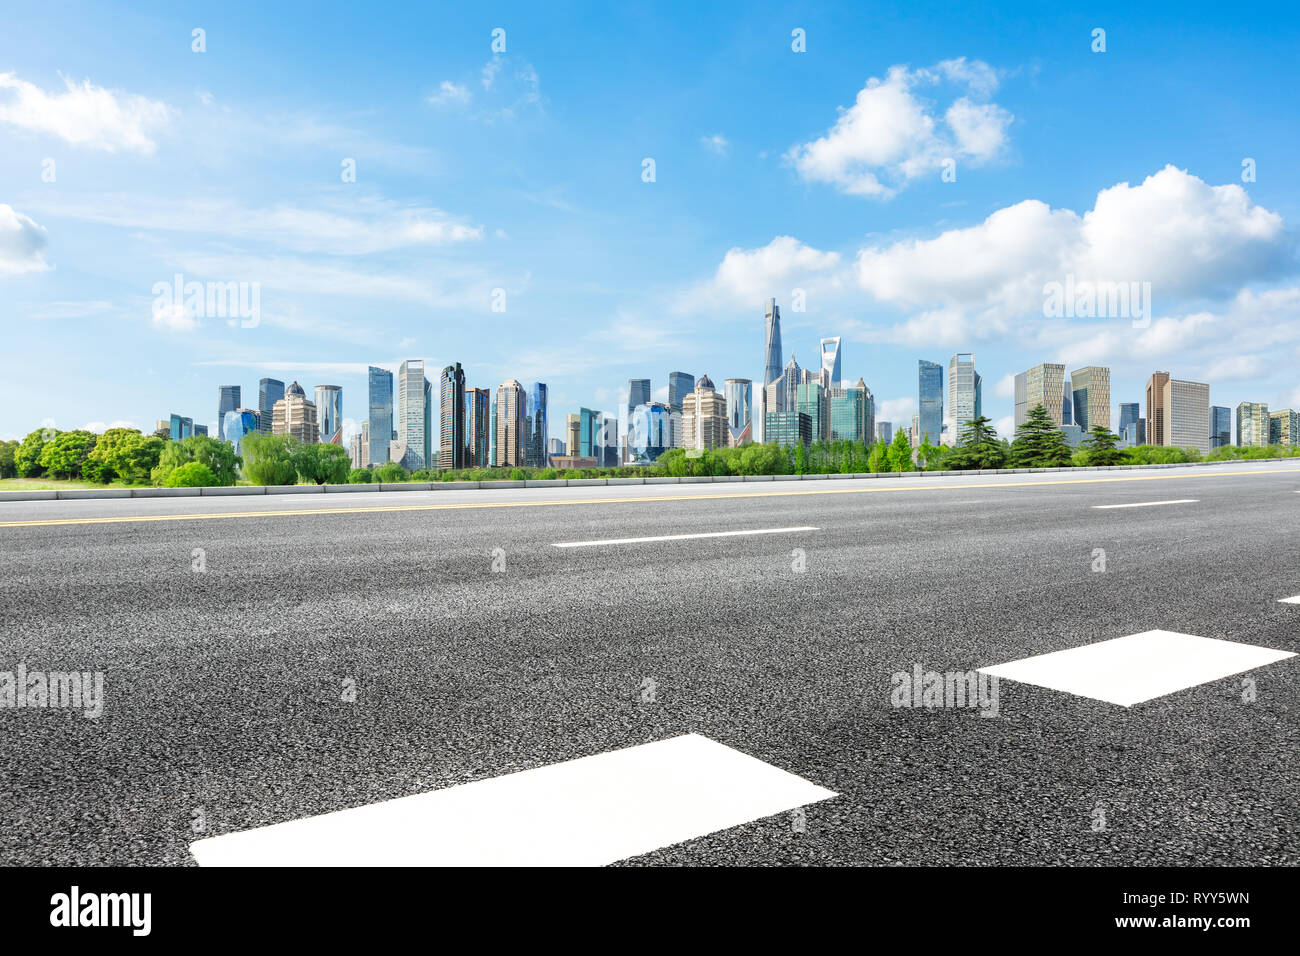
[84, 114]
[750, 275]
[22, 243]
[891, 135]
[450, 94]
[717, 143]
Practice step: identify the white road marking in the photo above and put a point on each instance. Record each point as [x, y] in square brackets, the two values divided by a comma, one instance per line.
[586, 812]
[1139, 667]
[679, 537]
[1148, 504]
[1290, 600]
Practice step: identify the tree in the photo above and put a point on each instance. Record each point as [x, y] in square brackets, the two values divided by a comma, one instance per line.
[322, 463]
[27, 459]
[1040, 443]
[7, 467]
[63, 456]
[930, 456]
[218, 455]
[123, 453]
[800, 459]
[192, 474]
[978, 447]
[359, 476]
[390, 471]
[900, 453]
[878, 460]
[1100, 448]
[268, 459]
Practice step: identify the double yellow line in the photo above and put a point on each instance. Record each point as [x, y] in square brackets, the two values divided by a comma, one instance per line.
[558, 502]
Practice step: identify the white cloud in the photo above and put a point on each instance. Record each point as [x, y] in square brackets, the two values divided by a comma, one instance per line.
[100, 427]
[1006, 386]
[450, 94]
[717, 144]
[84, 115]
[173, 318]
[1006, 427]
[897, 410]
[22, 243]
[751, 275]
[890, 136]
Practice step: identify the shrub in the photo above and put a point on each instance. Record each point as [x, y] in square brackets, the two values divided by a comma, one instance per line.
[192, 474]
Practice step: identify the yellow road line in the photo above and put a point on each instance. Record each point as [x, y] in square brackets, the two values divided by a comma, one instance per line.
[458, 506]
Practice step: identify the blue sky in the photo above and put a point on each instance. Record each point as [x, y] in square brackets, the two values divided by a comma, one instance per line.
[522, 171]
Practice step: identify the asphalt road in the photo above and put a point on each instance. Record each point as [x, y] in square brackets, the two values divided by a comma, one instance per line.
[222, 686]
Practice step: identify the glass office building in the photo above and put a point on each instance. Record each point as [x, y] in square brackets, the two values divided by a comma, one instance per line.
[452, 442]
[930, 394]
[1128, 414]
[329, 413]
[648, 433]
[787, 428]
[180, 427]
[269, 391]
[680, 384]
[739, 393]
[810, 400]
[237, 423]
[381, 414]
[535, 455]
[228, 398]
[1220, 426]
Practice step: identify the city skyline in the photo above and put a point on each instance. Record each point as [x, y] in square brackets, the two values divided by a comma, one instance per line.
[379, 233]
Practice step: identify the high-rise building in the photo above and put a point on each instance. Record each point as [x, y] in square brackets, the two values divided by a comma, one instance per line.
[380, 382]
[1157, 411]
[573, 434]
[1042, 385]
[788, 428]
[638, 393]
[930, 395]
[237, 423]
[1252, 424]
[269, 391]
[604, 444]
[477, 406]
[647, 432]
[295, 417]
[771, 364]
[556, 448]
[1283, 427]
[452, 442]
[228, 399]
[359, 447]
[1188, 414]
[329, 413]
[1220, 426]
[412, 424]
[537, 428]
[704, 417]
[832, 372]
[810, 400]
[965, 394]
[1128, 414]
[1091, 397]
[180, 427]
[679, 386]
[511, 407]
[885, 432]
[851, 413]
[740, 412]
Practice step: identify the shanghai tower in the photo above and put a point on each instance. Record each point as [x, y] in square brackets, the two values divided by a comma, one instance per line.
[772, 322]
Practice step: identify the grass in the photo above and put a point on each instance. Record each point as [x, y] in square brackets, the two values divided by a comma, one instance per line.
[54, 484]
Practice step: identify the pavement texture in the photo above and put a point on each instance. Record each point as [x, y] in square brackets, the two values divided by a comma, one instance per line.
[224, 702]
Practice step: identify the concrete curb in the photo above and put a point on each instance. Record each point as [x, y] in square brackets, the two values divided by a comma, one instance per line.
[82, 494]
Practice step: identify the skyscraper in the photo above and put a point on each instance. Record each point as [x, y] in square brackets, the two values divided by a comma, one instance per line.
[810, 400]
[771, 363]
[1220, 426]
[1252, 424]
[511, 405]
[587, 438]
[329, 413]
[180, 427]
[604, 443]
[451, 395]
[850, 413]
[740, 413]
[237, 423]
[1157, 410]
[295, 417]
[1128, 414]
[477, 405]
[638, 393]
[413, 429]
[381, 414]
[647, 432]
[832, 373]
[537, 427]
[885, 431]
[1091, 397]
[573, 434]
[1283, 427]
[269, 391]
[1188, 421]
[679, 386]
[1041, 385]
[930, 396]
[965, 394]
[704, 417]
[227, 400]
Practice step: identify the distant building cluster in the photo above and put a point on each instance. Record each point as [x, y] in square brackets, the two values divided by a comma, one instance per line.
[509, 425]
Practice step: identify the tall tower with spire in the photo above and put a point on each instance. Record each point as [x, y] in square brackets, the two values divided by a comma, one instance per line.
[771, 363]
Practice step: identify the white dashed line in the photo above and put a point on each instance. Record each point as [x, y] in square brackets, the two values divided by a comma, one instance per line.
[1148, 504]
[586, 812]
[679, 537]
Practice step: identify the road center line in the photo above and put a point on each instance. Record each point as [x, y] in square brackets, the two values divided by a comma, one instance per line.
[679, 537]
[642, 499]
[1149, 504]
